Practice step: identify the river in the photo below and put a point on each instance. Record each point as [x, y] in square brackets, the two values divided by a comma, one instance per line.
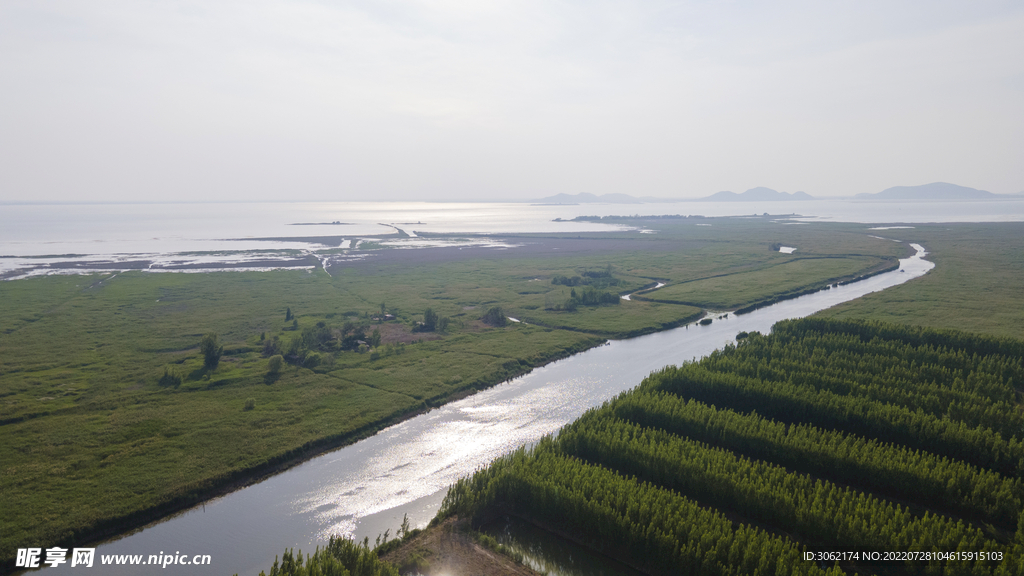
[364, 489]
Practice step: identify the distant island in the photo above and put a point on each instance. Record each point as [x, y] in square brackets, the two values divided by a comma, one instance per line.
[924, 192]
[759, 194]
[933, 191]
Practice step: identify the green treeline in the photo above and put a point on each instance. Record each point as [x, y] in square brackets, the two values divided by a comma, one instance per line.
[859, 415]
[828, 516]
[341, 557]
[594, 278]
[920, 477]
[658, 530]
[588, 296]
[825, 435]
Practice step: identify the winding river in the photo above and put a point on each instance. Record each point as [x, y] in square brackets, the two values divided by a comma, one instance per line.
[364, 489]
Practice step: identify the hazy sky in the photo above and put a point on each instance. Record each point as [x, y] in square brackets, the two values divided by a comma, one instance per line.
[481, 100]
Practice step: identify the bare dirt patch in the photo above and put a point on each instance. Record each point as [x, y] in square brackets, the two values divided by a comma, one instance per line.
[449, 549]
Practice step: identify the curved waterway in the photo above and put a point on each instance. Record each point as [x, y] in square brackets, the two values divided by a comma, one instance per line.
[364, 489]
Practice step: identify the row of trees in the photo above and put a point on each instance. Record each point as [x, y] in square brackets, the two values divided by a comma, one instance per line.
[971, 344]
[647, 526]
[315, 343]
[978, 391]
[593, 278]
[790, 402]
[816, 511]
[588, 296]
[937, 482]
[757, 433]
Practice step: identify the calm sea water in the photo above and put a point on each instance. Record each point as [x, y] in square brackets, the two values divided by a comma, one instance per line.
[43, 238]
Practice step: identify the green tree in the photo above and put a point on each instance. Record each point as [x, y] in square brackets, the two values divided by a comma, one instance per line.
[275, 363]
[211, 351]
[375, 338]
[403, 530]
[288, 315]
[318, 337]
[495, 317]
[429, 320]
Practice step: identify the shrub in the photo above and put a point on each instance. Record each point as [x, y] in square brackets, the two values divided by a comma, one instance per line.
[272, 346]
[211, 351]
[275, 363]
[429, 320]
[170, 378]
[416, 563]
[495, 317]
[432, 322]
[250, 403]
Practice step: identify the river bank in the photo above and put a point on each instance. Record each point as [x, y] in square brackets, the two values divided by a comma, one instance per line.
[367, 487]
[199, 496]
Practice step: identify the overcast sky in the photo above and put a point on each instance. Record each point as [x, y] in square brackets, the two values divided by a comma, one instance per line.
[107, 100]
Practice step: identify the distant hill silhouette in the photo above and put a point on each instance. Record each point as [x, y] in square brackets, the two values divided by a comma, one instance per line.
[759, 194]
[924, 192]
[933, 191]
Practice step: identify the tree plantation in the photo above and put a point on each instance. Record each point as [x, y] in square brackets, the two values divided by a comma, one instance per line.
[826, 436]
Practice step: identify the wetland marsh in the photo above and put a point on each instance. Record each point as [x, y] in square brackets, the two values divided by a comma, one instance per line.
[94, 445]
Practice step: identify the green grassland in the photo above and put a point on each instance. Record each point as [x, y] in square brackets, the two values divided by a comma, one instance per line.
[731, 291]
[93, 444]
[977, 283]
